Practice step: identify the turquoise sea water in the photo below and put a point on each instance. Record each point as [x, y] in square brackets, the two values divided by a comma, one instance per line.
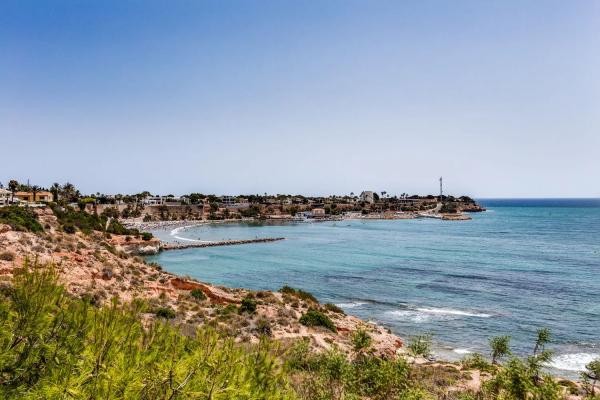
[522, 265]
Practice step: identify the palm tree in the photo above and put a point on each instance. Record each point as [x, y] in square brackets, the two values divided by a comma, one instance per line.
[13, 185]
[68, 191]
[500, 347]
[55, 189]
[34, 189]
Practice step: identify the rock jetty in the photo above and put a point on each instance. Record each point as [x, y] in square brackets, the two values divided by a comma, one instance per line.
[179, 246]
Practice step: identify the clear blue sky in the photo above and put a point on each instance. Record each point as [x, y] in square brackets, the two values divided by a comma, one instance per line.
[502, 98]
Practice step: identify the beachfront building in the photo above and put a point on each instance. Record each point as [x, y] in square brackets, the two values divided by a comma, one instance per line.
[367, 196]
[303, 214]
[227, 200]
[160, 200]
[152, 200]
[5, 196]
[318, 212]
[29, 197]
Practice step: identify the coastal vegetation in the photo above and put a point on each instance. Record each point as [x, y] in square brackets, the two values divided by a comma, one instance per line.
[317, 318]
[87, 222]
[54, 345]
[248, 305]
[299, 293]
[71, 220]
[591, 376]
[20, 219]
[192, 340]
[420, 345]
[197, 294]
[500, 346]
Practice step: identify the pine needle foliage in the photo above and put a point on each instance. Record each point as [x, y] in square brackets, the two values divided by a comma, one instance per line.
[53, 346]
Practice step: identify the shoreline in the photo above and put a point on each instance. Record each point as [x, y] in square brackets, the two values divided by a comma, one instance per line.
[158, 225]
[88, 264]
[442, 351]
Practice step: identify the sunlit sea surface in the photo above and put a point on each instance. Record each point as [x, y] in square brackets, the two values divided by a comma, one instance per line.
[522, 265]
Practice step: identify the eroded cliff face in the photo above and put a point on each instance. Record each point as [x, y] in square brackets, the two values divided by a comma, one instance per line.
[104, 268]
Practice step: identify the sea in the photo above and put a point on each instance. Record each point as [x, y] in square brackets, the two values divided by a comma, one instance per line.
[522, 265]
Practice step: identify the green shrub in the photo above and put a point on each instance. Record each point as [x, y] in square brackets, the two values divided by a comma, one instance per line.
[147, 236]
[198, 294]
[69, 228]
[7, 256]
[263, 327]
[299, 293]
[228, 309]
[110, 212]
[330, 375]
[317, 318]
[165, 312]
[476, 361]
[248, 306]
[361, 340]
[515, 381]
[333, 308]
[20, 218]
[420, 345]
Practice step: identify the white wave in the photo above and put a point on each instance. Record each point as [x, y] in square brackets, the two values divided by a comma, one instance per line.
[350, 305]
[450, 311]
[462, 351]
[573, 361]
[176, 231]
[413, 316]
[425, 314]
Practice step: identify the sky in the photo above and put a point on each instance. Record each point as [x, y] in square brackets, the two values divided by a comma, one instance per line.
[501, 98]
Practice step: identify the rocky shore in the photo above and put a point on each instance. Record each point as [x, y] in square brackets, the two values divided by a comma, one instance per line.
[102, 268]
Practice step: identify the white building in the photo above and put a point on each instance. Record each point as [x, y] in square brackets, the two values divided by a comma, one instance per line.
[153, 200]
[5, 196]
[228, 200]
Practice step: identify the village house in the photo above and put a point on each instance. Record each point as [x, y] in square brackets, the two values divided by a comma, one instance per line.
[41, 196]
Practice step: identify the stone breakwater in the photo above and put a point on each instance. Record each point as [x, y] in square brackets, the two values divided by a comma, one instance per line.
[180, 246]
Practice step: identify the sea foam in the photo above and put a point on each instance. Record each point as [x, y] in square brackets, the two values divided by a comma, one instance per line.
[350, 305]
[425, 314]
[450, 311]
[573, 361]
[462, 351]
